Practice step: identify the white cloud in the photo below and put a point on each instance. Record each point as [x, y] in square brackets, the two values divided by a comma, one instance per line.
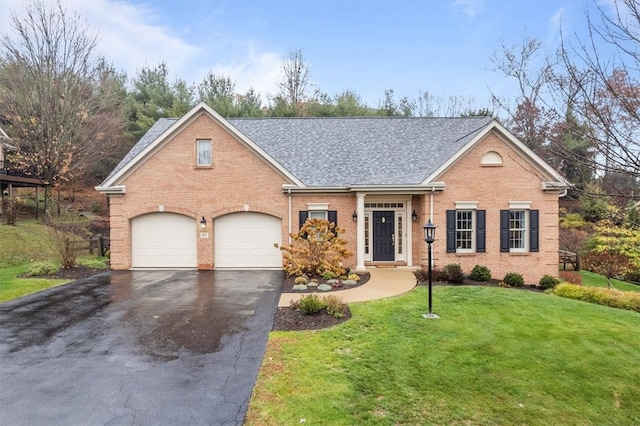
[131, 36]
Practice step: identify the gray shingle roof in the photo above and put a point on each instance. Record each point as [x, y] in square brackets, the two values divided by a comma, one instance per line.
[349, 151]
[363, 150]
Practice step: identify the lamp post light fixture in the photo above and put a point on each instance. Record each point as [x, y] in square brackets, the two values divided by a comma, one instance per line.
[203, 223]
[429, 238]
[354, 216]
[414, 215]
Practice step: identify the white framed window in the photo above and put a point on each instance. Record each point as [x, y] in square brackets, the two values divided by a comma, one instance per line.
[203, 152]
[465, 231]
[318, 214]
[518, 230]
[466, 228]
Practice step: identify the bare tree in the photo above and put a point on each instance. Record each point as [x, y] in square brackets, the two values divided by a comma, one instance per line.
[295, 78]
[602, 85]
[56, 97]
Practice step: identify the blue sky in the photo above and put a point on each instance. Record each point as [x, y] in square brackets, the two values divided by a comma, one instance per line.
[443, 47]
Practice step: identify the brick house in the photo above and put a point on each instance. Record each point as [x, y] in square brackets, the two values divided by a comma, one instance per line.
[207, 192]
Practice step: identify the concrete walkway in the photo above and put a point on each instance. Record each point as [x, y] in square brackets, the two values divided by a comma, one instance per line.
[384, 282]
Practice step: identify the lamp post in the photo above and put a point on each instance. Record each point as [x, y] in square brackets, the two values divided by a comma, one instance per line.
[429, 238]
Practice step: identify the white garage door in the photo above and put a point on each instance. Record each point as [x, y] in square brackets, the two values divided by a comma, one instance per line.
[163, 240]
[246, 240]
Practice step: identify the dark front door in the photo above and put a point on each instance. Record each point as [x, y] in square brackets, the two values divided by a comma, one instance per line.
[383, 238]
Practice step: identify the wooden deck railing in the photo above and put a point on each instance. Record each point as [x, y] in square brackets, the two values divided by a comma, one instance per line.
[567, 257]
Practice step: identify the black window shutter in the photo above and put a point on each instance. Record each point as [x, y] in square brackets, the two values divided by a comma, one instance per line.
[534, 230]
[481, 224]
[451, 231]
[504, 230]
[303, 215]
[332, 216]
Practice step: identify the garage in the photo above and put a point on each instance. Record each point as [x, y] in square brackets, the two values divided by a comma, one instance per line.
[247, 240]
[163, 240]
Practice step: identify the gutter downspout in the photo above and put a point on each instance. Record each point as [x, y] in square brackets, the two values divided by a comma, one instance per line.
[289, 219]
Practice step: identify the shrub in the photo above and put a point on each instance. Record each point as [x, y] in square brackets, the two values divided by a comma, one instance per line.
[93, 263]
[513, 279]
[311, 304]
[299, 287]
[349, 282]
[40, 269]
[629, 300]
[547, 282]
[69, 240]
[480, 273]
[325, 287]
[302, 279]
[328, 275]
[334, 306]
[572, 277]
[354, 277]
[316, 249]
[454, 273]
[312, 283]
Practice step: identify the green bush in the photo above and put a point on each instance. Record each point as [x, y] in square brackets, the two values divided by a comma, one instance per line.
[40, 269]
[548, 282]
[325, 287]
[454, 273]
[92, 262]
[629, 300]
[328, 275]
[311, 304]
[513, 279]
[334, 306]
[480, 273]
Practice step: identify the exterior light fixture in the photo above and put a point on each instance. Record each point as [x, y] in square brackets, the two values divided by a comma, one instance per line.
[414, 215]
[429, 238]
[203, 223]
[354, 216]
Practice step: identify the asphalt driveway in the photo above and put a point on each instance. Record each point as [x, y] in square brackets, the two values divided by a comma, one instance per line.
[137, 348]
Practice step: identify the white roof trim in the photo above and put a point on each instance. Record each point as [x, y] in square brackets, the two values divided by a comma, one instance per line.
[141, 157]
[522, 149]
[112, 190]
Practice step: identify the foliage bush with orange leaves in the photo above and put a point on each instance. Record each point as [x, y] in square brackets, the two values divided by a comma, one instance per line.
[315, 249]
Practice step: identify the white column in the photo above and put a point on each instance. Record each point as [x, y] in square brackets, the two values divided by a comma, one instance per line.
[360, 232]
[409, 231]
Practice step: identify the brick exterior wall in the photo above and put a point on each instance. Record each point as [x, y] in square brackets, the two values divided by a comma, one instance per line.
[493, 188]
[239, 180]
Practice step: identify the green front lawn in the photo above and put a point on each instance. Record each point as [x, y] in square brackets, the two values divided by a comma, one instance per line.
[12, 287]
[495, 357]
[595, 280]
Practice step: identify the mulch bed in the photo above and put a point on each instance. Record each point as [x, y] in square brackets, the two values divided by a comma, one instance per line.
[289, 282]
[76, 273]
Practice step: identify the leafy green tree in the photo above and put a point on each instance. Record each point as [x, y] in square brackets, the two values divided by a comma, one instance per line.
[153, 97]
[249, 104]
[389, 107]
[219, 92]
[350, 104]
